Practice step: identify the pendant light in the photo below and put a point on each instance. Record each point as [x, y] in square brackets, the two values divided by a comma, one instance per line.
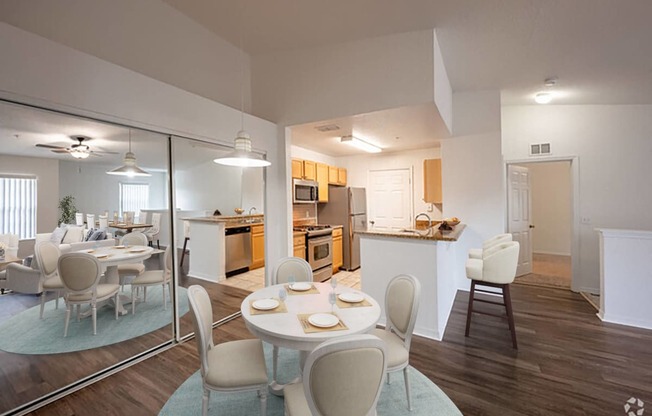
[242, 155]
[129, 168]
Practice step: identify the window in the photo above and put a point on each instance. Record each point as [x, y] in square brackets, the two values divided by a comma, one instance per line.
[133, 197]
[18, 205]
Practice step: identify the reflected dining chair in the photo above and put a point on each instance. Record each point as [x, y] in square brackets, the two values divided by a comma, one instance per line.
[287, 268]
[496, 269]
[153, 232]
[153, 278]
[477, 253]
[401, 307]
[90, 221]
[342, 376]
[80, 274]
[79, 218]
[233, 366]
[131, 269]
[47, 256]
[11, 240]
[103, 221]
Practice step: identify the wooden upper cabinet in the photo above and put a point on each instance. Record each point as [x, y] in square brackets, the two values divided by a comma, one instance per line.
[322, 181]
[297, 169]
[309, 170]
[432, 181]
[341, 176]
[333, 175]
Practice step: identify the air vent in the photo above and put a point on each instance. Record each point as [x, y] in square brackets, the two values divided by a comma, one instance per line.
[328, 127]
[539, 149]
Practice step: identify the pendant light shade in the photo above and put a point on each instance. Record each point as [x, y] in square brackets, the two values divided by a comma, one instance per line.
[242, 155]
[129, 168]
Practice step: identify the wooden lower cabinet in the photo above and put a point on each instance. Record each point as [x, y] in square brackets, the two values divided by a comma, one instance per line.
[300, 246]
[337, 250]
[257, 246]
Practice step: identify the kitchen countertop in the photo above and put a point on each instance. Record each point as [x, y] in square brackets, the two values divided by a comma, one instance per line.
[298, 233]
[230, 220]
[433, 233]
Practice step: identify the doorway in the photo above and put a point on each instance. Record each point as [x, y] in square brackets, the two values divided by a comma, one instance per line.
[545, 201]
[390, 199]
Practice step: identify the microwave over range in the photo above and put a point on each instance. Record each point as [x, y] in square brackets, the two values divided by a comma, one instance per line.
[305, 192]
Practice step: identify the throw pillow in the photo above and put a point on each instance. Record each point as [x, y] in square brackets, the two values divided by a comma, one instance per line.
[73, 235]
[57, 235]
[27, 261]
[89, 234]
[98, 235]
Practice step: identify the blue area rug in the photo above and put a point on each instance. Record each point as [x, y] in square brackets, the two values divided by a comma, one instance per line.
[427, 398]
[25, 333]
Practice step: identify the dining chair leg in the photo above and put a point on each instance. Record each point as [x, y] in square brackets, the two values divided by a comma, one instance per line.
[133, 301]
[388, 380]
[42, 304]
[469, 312]
[94, 319]
[65, 327]
[56, 302]
[262, 393]
[165, 299]
[116, 305]
[158, 244]
[204, 402]
[274, 362]
[510, 314]
[407, 387]
[144, 293]
[78, 312]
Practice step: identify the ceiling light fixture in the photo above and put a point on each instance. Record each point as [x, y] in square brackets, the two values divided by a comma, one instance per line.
[544, 97]
[80, 152]
[129, 168]
[360, 144]
[242, 155]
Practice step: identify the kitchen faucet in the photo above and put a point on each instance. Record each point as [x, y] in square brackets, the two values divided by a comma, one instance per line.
[252, 209]
[425, 215]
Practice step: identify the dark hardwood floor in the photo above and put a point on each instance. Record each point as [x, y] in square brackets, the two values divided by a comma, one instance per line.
[568, 363]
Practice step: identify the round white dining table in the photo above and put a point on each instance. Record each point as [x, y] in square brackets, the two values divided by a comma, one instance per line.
[112, 256]
[284, 329]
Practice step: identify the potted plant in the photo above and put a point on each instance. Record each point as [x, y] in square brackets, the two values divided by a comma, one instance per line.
[68, 210]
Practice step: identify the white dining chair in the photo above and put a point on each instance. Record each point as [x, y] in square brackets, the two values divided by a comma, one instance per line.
[127, 270]
[90, 221]
[103, 221]
[47, 256]
[153, 278]
[286, 269]
[401, 307]
[342, 376]
[80, 274]
[79, 218]
[11, 240]
[152, 233]
[142, 217]
[229, 367]
[477, 253]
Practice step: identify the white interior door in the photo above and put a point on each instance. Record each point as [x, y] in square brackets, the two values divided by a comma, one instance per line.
[390, 199]
[520, 215]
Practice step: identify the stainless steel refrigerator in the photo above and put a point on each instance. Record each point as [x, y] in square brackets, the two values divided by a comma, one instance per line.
[346, 206]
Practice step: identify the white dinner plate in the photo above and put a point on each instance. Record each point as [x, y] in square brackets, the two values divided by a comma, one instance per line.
[119, 247]
[101, 255]
[351, 297]
[87, 250]
[323, 320]
[136, 250]
[300, 286]
[265, 304]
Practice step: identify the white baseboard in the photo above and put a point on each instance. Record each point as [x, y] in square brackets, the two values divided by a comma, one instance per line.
[621, 320]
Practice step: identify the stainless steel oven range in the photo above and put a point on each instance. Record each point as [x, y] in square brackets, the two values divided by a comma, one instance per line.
[319, 249]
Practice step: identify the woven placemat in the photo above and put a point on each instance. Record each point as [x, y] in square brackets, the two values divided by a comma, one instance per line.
[312, 291]
[279, 309]
[308, 328]
[343, 305]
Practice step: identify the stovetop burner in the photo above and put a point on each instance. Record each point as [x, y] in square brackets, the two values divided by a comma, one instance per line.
[311, 227]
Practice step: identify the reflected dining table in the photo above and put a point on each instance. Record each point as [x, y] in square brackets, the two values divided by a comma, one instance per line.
[112, 256]
[129, 227]
[285, 329]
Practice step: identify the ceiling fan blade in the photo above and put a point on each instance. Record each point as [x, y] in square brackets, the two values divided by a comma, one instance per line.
[50, 146]
[95, 154]
[105, 152]
[60, 151]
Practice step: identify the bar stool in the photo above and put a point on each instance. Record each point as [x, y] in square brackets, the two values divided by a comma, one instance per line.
[496, 269]
[476, 253]
[186, 237]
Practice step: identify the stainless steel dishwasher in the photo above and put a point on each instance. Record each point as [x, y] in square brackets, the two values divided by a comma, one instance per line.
[238, 248]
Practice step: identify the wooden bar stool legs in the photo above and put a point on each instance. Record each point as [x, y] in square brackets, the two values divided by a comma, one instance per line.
[183, 252]
[507, 303]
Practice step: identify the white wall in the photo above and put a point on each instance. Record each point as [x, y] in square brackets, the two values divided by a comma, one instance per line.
[47, 186]
[96, 192]
[550, 184]
[472, 168]
[358, 168]
[612, 145]
[306, 154]
[152, 38]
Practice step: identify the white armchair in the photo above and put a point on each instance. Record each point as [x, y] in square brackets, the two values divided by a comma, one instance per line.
[23, 279]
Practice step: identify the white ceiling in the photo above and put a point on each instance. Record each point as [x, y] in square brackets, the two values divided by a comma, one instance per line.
[600, 50]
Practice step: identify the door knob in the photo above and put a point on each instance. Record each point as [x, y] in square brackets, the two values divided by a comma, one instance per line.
[531, 226]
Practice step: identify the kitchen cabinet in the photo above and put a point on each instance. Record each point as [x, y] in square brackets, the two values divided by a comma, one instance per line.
[300, 246]
[341, 176]
[333, 175]
[432, 181]
[337, 250]
[322, 181]
[309, 170]
[297, 169]
[257, 246]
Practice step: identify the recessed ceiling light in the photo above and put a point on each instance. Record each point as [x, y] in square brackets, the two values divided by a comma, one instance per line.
[360, 144]
[543, 97]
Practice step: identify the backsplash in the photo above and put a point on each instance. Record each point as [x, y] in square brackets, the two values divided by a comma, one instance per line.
[303, 214]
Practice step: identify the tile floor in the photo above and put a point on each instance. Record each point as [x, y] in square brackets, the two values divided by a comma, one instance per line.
[255, 279]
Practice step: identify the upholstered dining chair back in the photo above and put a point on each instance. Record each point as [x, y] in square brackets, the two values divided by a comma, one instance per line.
[134, 238]
[202, 319]
[156, 223]
[344, 376]
[142, 217]
[402, 305]
[47, 255]
[90, 220]
[104, 221]
[292, 267]
[79, 272]
[11, 240]
[79, 218]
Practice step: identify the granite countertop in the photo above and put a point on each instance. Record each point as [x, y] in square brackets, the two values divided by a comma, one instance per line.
[433, 233]
[230, 220]
[298, 233]
[337, 226]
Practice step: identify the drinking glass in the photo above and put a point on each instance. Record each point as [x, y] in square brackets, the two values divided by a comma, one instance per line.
[333, 282]
[282, 294]
[332, 299]
[291, 280]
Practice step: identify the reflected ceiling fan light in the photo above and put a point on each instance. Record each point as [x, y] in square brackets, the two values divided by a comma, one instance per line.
[242, 155]
[543, 97]
[360, 144]
[129, 168]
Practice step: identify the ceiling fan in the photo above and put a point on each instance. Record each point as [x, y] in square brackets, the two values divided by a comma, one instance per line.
[78, 150]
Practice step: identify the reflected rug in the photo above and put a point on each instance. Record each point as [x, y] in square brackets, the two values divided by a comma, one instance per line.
[427, 398]
[25, 333]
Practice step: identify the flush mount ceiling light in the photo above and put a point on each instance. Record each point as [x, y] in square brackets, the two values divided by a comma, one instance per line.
[129, 168]
[360, 144]
[242, 155]
[544, 97]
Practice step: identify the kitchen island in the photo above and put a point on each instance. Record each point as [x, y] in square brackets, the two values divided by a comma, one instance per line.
[431, 255]
[208, 259]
